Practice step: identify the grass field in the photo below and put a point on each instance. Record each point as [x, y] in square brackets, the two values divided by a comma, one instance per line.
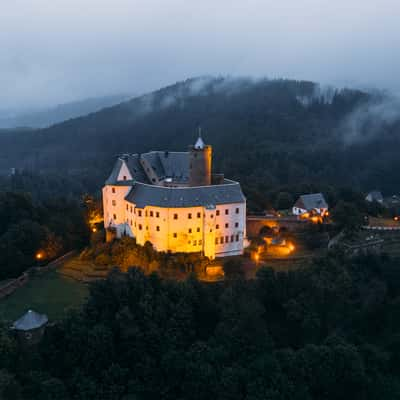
[50, 293]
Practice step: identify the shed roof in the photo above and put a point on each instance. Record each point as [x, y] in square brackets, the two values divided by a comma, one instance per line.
[311, 201]
[30, 320]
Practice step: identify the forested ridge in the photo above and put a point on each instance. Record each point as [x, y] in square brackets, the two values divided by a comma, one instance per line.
[265, 133]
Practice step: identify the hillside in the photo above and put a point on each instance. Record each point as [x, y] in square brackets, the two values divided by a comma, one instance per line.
[265, 133]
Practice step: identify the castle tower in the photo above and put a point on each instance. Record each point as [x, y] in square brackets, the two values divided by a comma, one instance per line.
[200, 157]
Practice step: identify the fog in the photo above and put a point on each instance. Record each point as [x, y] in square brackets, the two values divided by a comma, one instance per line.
[55, 51]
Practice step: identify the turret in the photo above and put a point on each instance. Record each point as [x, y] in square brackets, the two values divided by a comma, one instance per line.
[200, 157]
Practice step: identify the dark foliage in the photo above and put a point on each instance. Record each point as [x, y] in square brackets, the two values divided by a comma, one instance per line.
[327, 332]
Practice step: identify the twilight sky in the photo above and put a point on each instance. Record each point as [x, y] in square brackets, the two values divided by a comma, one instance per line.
[55, 51]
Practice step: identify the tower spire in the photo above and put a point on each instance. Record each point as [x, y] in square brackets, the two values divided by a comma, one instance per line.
[199, 145]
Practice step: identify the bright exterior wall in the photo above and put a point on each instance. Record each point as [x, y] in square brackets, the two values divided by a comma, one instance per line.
[214, 231]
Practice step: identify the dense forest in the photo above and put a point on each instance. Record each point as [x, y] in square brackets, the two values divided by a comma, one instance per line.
[41, 219]
[326, 332]
[266, 133]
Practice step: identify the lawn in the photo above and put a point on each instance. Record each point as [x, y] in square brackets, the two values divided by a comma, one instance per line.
[50, 293]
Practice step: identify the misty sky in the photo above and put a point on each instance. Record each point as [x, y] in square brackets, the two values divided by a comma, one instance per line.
[55, 51]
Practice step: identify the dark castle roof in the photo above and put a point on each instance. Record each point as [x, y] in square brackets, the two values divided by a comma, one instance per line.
[175, 167]
[160, 196]
[165, 164]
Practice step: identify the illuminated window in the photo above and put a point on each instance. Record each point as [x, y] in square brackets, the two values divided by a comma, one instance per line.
[157, 214]
[175, 235]
[114, 203]
[237, 210]
[198, 215]
[140, 213]
[236, 224]
[226, 225]
[151, 213]
[190, 216]
[115, 216]
[158, 229]
[140, 227]
[113, 190]
[190, 230]
[217, 226]
[198, 229]
[217, 213]
[175, 216]
[226, 211]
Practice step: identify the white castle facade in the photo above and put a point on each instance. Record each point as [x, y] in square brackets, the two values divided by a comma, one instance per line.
[172, 200]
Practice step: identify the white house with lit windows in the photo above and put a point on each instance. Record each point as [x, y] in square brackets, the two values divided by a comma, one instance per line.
[172, 200]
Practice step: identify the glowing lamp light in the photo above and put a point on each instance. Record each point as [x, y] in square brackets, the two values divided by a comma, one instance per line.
[94, 230]
[396, 218]
[39, 256]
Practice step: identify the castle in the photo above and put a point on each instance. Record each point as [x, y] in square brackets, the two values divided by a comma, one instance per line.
[173, 200]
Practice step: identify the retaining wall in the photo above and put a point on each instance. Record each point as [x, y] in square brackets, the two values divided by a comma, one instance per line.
[13, 285]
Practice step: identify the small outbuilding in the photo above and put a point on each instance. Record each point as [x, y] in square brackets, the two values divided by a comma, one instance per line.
[375, 195]
[310, 203]
[30, 327]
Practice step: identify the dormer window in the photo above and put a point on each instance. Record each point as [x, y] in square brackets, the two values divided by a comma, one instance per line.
[124, 178]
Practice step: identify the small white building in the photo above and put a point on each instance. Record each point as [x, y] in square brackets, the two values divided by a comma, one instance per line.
[172, 200]
[375, 195]
[308, 203]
